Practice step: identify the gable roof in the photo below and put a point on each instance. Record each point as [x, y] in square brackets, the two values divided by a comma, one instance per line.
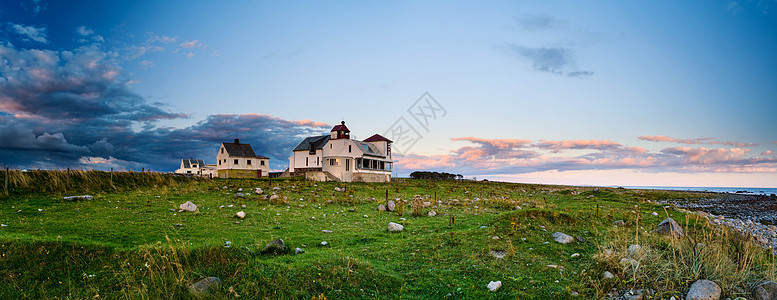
[239, 150]
[187, 163]
[318, 142]
[377, 138]
[369, 149]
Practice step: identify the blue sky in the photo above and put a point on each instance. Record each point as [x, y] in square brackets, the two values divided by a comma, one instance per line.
[599, 92]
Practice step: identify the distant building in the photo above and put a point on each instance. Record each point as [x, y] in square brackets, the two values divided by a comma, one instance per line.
[236, 160]
[336, 157]
[191, 166]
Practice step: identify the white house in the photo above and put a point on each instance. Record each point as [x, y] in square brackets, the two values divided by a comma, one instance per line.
[337, 157]
[236, 160]
[191, 166]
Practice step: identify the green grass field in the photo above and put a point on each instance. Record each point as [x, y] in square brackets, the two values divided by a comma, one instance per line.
[134, 243]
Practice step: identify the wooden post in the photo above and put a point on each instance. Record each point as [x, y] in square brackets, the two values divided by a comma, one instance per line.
[142, 170]
[111, 176]
[6, 181]
[68, 176]
[597, 210]
[387, 196]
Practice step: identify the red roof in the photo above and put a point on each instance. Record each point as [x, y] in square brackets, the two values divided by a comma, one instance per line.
[377, 138]
[340, 127]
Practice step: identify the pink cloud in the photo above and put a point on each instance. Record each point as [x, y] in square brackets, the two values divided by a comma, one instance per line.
[191, 44]
[767, 152]
[696, 141]
[558, 146]
[308, 122]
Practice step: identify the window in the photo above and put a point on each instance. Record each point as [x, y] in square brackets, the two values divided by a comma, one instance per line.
[349, 148]
[222, 150]
[261, 162]
[248, 162]
[236, 161]
[311, 149]
[306, 161]
[317, 158]
[347, 164]
[219, 163]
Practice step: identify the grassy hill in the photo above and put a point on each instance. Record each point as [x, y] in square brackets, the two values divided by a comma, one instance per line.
[131, 241]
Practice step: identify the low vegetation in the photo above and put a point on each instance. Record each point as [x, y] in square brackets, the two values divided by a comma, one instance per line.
[131, 241]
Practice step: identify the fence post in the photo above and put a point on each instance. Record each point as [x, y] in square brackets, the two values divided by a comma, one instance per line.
[6, 181]
[68, 177]
[111, 176]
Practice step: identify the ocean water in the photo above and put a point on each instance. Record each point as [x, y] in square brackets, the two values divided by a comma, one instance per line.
[750, 191]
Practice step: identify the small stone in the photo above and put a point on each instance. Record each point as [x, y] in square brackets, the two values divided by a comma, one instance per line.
[239, 195]
[619, 223]
[634, 248]
[276, 246]
[432, 213]
[517, 207]
[629, 261]
[275, 189]
[575, 255]
[390, 205]
[494, 237]
[483, 227]
[298, 251]
[258, 191]
[563, 238]
[427, 204]
[274, 197]
[608, 275]
[327, 231]
[704, 289]
[366, 216]
[494, 285]
[230, 205]
[188, 206]
[655, 213]
[227, 244]
[498, 254]
[240, 189]
[324, 243]
[40, 209]
[82, 197]
[3, 225]
[394, 227]
[381, 207]
[204, 286]
[240, 214]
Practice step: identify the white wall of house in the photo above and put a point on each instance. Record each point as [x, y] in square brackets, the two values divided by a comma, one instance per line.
[303, 159]
[226, 162]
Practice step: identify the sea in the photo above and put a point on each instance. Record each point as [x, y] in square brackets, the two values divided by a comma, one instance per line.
[732, 190]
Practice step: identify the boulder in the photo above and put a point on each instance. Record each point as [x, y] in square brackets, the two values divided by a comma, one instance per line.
[381, 207]
[392, 227]
[704, 289]
[240, 214]
[204, 286]
[276, 246]
[432, 213]
[563, 238]
[766, 290]
[258, 191]
[494, 285]
[390, 205]
[188, 206]
[670, 227]
[619, 223]
[274, 197]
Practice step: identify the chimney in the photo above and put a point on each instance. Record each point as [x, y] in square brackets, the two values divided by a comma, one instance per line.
[237, 141]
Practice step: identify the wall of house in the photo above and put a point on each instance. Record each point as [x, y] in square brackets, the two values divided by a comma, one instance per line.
[298, 159]
[383, 147]
[371, 177]
[225, 162]
[240, 173]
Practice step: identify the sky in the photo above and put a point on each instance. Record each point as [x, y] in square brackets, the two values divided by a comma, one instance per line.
[626, 93]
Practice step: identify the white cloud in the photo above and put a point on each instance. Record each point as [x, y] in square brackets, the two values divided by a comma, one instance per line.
[31, 32]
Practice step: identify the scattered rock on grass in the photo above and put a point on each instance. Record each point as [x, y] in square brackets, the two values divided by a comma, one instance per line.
[298, 251]
[654, 213]
[274, 197]
[670, 227]
[381, 207]
[390, 205]
[392, 227]
[432, 213]
[608, 275]
[324, 243]
[204, 286]
[575, 255]
[188, 206]
[258, 191]
[563, 238]
[766, 290]
[634, 248]
[82, 197]
[240, 214]
[239, 195]
[494, 285]
[498, 254]
[619, 223]
[704, 289]
[227, 244]
[276, 246]
[326, 231]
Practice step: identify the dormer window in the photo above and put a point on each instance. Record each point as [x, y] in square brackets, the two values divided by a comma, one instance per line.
[312, 149]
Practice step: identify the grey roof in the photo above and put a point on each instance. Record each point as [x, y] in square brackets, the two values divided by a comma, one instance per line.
[187, 163]
[318, 142]
[369, 149]
[239, 150]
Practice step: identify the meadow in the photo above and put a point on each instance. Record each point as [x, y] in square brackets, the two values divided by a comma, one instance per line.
[131, 241]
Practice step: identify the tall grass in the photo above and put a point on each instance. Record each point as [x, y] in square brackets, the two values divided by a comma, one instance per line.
[80, 181]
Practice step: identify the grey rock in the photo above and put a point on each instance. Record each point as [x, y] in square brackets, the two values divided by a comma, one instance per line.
[390, 206]
[766, 290]
[498, 254]
[239, 195]
[258, 191]
[704, 289]
[188, 206]
[274, 197]
[670, 227]
[82, 197]
[634, 249]
[326, 231]
[275, 189]
[381, 207]
[240, 214]
[619, 223]
[608, 275]
[432, 213]
[204, 286]
[494, 285]
[277, 246]
[563, 238]
[298, 251]
[394, 227]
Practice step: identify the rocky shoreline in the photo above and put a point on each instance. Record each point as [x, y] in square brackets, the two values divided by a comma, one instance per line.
[754, 215]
